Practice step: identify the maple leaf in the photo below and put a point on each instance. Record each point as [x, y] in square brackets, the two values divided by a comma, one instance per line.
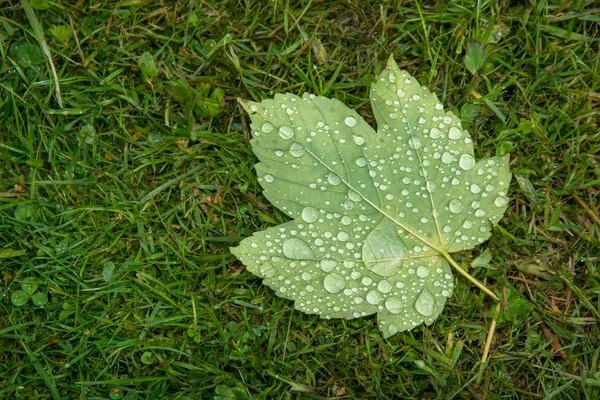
[375, 215]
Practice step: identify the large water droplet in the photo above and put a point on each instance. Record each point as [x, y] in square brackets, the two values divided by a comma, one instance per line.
[361, 162]
[373, 297]
[455, 206]
[350, 121]
[269, 178]
[342, 236]
[414, 143]
[296, 149]
[500, 201]
[393, 305]
[422, 271]
[454, 133]
[466, 162]
[297, 249]
[435, 133]
[267, 270]
[334, 179]
[447, 158]
[425, 303]
[328, 265]
[334, 283]
[267, 127]
[285, 132]
[310, 214]
[359, 140]
[384, 286]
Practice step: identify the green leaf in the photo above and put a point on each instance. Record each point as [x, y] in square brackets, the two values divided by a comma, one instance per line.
[39, 299]
[29, 285]
[147, 358]
[475, 56]
[40, 4]
[375, 214]
[61, 33]
[147, 66]
[26, 54]
[19, 298]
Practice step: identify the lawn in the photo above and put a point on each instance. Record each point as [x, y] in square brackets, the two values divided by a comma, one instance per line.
[126, 175]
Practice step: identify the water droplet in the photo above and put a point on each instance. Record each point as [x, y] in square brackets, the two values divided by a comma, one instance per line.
[455, 206]
[400, 93]
[354, 196]
[414, 143]
[346, 220]
[393, 305]
[279, 153]
[342, 236]
[350, 121]
[367, 281]
[479, 213]
[269, 178]
[384, 286]
[334, 283]
[425, 303]
[267, 270]
[310, 214]
[454, 133]
[373, 297]
[500, 202]
[297, 249]
[435, 133]
[447, 158]
[355, 275]
[466, 162]
[267, 127]
[328, 265]
[359, 140]
[296, 149]
[475, 188]
[361, 162]
[393, 115]
[431, 186]
[306, 276]
[447, 229]
[422, 271]
[285, 132]
[392, 77]
[333, 179]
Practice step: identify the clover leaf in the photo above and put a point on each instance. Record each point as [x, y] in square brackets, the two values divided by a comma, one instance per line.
[375, 215]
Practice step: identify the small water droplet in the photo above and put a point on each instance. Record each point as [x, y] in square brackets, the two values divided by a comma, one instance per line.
[454, 133]
[279, 153]
[479, 213]
[286, 133]
[455, 206]
[334, 179]
[422, 271]
[500, 201]
[447, 229]
[296, 149]
[346, 220]
[393, 305]
[400, 93]
[373, 297]
[361, 162]
[306, 276]
[393, 115]
[425, 303]
[466, 162]
[350, 121]
[269, 178]
[334, 283]
[447, 158]
[367, 281]
[267, 127]
[475, 188]
[310, 214]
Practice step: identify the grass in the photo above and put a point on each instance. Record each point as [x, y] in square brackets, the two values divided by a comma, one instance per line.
[122, 204]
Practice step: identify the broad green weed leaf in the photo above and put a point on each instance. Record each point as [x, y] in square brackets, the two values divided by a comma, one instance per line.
[374, 214]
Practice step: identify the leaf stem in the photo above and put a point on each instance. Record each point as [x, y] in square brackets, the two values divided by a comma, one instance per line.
[468, 276]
